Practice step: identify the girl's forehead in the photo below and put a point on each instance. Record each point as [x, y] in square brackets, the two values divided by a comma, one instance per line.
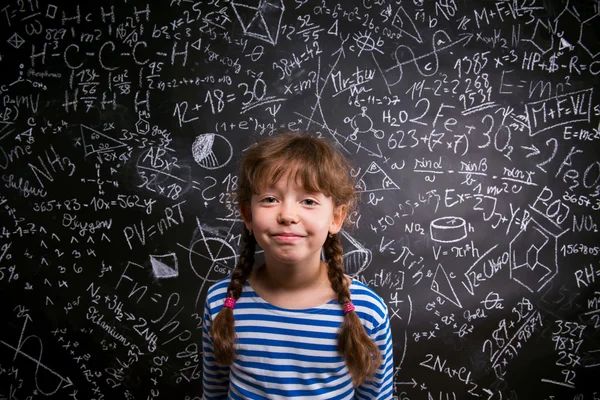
[286, 183]
[293, 176]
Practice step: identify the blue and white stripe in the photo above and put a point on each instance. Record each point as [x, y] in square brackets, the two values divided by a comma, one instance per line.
[283, 353]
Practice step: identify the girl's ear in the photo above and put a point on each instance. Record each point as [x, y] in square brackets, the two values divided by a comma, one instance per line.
[246, 216]
[339, 215]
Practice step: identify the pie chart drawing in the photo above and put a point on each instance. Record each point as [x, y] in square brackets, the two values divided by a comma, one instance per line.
[212, 151]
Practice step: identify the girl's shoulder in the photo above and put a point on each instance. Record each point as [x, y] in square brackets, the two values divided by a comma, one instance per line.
[369, 305]
[217, 292]
[368, 302]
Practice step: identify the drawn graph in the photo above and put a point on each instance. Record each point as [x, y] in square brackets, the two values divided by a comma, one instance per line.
[33, 353]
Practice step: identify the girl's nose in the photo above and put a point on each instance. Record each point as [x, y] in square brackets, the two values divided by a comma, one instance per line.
[287, 214]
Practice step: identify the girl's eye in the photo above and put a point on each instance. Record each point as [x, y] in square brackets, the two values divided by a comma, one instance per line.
[268, 200]
[310, 202]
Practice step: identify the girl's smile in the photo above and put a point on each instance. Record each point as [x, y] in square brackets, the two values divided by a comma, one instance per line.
[287, 237]
[290, 223]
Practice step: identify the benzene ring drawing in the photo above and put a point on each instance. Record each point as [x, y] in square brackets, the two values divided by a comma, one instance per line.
[260, 19]
[533, 257]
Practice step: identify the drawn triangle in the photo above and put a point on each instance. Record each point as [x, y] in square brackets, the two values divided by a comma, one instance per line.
[159, 267]
[258, 27]
[442, 286]
[404, 24]
[26, 133]
[333, 31]
[564, 44]
[245, 14]
[375, 179]
[98, 142]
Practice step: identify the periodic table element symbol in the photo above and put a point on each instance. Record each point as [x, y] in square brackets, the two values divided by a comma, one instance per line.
[98, 142]
[375, 179]
[260, 19]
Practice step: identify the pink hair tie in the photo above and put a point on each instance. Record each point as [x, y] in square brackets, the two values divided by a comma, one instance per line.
[348, 307]
[229, 302]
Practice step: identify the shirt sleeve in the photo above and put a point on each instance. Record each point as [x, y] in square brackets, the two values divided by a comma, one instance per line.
[215, 376]
[381, 385]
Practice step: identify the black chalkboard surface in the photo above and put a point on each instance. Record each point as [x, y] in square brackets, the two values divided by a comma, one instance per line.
[474, 130]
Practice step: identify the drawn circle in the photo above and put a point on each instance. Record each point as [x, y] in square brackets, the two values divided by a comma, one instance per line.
[361, 123]
[212, 151]
[448, 229]
[214, 254]
[364, 42]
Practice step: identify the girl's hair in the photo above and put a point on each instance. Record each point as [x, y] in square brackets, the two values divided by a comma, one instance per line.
[318, 167]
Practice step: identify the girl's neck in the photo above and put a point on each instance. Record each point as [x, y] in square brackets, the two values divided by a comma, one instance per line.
[291, 278]
[292, 289]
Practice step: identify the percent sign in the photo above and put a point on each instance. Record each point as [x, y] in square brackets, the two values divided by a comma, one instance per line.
[4, 254]
[4, 251]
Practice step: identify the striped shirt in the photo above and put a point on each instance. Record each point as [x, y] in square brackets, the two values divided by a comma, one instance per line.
[284, 353]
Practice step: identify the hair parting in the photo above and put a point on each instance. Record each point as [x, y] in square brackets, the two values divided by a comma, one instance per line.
[223, 327]
[360, 352]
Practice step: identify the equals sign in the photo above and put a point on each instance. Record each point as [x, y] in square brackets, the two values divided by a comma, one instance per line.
[230, 98]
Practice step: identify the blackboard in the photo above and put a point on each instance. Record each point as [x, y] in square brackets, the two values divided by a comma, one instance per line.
[473, 127]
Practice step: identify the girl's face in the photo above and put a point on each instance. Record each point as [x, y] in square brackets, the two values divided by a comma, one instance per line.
[291, 224]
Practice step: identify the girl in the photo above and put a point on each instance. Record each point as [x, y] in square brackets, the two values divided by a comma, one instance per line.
[295, 326]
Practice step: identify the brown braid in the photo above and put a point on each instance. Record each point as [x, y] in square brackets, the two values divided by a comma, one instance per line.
[223, 330]
[360, 352]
